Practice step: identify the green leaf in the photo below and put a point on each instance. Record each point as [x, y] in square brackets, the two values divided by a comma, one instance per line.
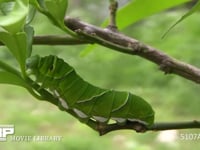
[17, 44]
[8, 68]
[9, 75]
[13, 79]
[6, 7]
[134, 11]
[31, 14]
[190, 12]
[139, 9]
[10, 78]
[29, 33]
[88, 50]
[57, 8]
[35, 3]
[14, 21]
[55, 11]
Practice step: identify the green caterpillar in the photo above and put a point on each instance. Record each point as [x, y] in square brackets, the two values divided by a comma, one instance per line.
[86, 100]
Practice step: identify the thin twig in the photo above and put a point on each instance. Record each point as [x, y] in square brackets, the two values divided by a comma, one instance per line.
[113, 12]
[56, 40]
[176, 125]
[138, 127]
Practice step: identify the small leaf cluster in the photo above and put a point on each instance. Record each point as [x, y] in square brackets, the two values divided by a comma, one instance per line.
[16, 34]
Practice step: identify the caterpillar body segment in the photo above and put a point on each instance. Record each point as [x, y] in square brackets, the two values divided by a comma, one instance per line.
[86, 100]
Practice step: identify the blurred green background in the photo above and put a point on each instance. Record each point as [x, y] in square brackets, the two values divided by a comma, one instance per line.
[173, 98]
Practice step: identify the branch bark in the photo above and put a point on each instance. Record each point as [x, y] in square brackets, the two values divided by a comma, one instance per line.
[119, 42]
[56, 40]
[138, 127]
[131, 125]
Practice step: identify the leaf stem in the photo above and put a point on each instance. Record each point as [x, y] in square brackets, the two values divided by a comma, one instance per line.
[8, 68]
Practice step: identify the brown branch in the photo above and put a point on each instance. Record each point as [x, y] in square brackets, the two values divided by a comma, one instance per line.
[125, 44]
[56, 40]
[138, 127]
[106, 128]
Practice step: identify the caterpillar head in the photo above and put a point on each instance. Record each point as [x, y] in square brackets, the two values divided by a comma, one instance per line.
[32, 62]
[46, 66]
[41, 68]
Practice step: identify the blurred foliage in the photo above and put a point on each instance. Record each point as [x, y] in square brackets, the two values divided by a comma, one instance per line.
[172, 97]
